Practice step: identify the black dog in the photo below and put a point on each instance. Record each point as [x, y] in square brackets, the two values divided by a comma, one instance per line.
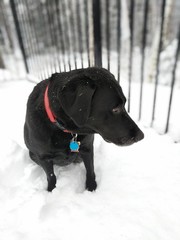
[64, 112]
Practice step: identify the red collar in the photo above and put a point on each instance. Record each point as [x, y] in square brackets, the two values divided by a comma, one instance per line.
[50, 114]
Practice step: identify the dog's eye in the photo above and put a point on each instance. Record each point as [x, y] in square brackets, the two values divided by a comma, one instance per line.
[117, 109]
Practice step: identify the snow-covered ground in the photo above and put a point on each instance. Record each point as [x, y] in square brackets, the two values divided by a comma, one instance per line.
[138, 194]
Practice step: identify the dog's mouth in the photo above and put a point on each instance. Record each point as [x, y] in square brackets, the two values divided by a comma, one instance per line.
[125, 141]
[128, 142]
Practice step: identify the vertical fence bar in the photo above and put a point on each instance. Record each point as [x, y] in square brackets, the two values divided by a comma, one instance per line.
[54, 34]
[43, 13]
[50, 32]
[46, 58]
[20, 39]
[118, 38]
[69, 33]
[35, 48]
[26, 37]
[173, 82]
[56, 40]
[91, 33]
[2, 65]
[65, 31]
[79, 28]
[145, 20]
[158, 60]
[59, 26]
[86, 12]
[72, 23]
[107, 34]
[97, 33]
[131, 50]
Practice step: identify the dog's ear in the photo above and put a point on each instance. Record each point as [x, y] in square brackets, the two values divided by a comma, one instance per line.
[76, 99]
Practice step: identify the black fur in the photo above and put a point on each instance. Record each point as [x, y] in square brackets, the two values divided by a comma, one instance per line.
[85, 101]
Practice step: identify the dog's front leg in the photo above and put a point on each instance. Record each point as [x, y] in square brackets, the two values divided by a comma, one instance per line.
[88, 159]
[51, 178]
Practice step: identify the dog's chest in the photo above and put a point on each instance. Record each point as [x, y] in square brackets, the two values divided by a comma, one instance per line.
[61, 141]
[60, 149]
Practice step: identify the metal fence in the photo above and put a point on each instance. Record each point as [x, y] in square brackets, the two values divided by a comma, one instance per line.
[61, 35]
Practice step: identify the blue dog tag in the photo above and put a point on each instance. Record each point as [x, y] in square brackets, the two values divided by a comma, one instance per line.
[74, 146]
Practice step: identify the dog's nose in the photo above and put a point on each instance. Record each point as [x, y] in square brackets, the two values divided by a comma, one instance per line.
[139, 136]
[136, 134]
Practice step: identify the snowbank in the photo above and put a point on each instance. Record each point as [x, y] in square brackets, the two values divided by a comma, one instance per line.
[138, 194]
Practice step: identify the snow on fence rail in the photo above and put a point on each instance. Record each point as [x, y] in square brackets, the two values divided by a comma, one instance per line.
[130, 38]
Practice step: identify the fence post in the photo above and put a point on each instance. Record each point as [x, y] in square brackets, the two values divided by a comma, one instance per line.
[158, 60]
[97, 33]
[173, 81]
[108, 33]
[131, 16]
[144, 35]
[20, 39]
[118, 38]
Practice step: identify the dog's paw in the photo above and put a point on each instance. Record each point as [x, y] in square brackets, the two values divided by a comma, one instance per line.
[91, 185]
[51, 183]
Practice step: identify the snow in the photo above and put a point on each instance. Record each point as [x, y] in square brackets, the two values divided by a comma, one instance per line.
[138, 194]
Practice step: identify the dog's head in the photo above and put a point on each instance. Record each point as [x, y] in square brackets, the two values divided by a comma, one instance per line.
[93, 99]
